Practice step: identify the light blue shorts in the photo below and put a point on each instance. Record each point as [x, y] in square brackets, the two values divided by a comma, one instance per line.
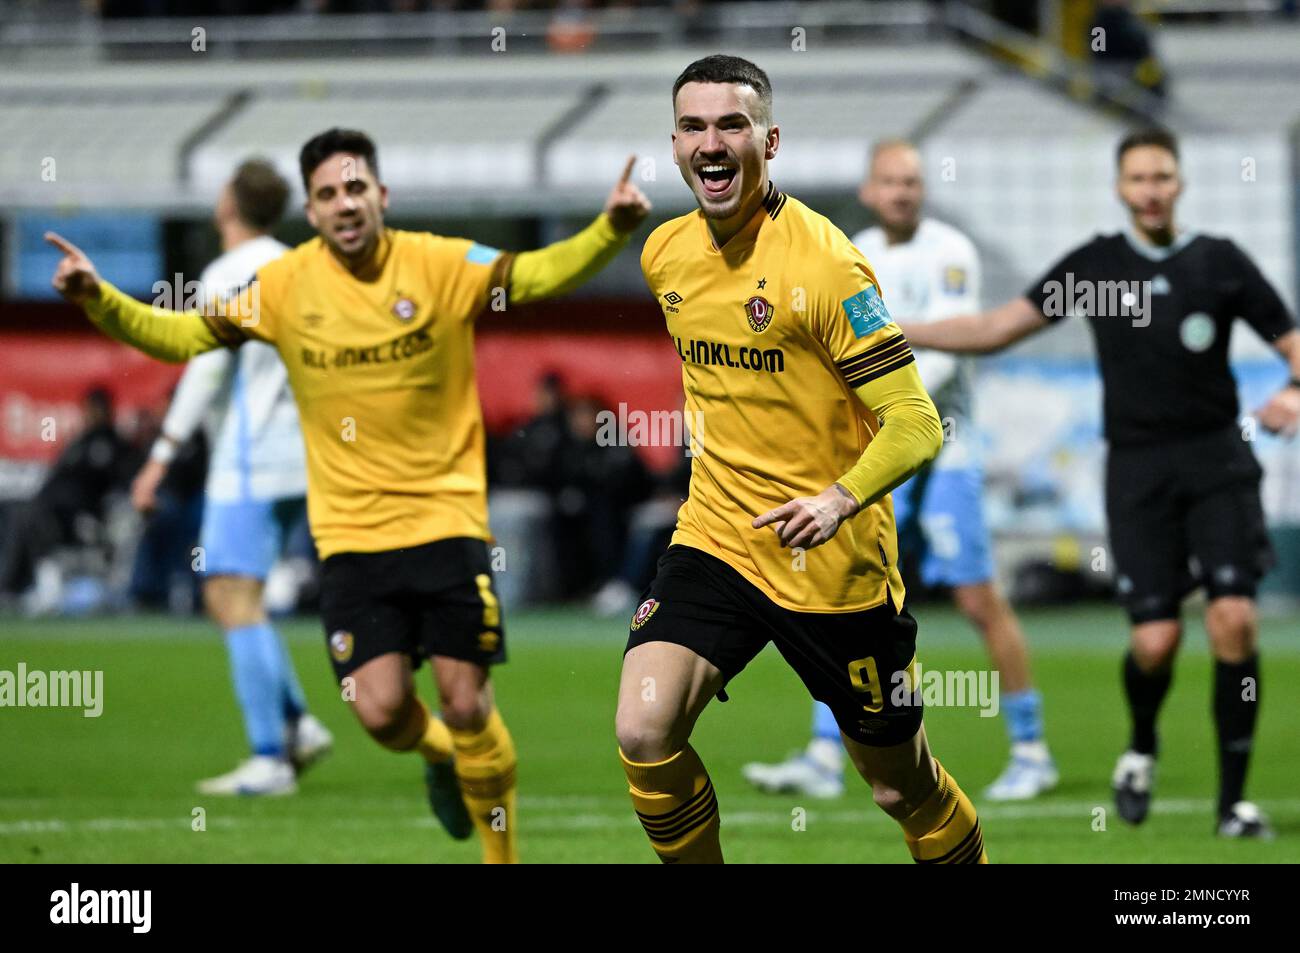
[953, 538]
[244, 538]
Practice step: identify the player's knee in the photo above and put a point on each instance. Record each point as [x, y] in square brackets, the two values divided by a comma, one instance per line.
[981, 604]
[1232, 623]
[465, 710]
[643, 739]
[383, 712]
[1155, 644]
[232, 602]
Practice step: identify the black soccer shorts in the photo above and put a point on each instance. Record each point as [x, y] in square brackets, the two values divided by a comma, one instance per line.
[1182, 515]
[851, 660]
[433, 599]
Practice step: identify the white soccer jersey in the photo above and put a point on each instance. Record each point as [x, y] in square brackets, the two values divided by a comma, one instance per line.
[936, 275]
[244, 398]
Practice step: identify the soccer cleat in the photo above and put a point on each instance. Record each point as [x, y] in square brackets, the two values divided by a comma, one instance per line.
[1245, 820]
[1024, 779]
[308, 742]
[1134, 777]
[817, 772]
[445, 799]
[259, 775]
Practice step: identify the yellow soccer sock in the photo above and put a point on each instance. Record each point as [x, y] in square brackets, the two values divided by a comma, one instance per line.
[421, 732]
[944, 829]
[435, 744]
[485, 765]
[675, 803]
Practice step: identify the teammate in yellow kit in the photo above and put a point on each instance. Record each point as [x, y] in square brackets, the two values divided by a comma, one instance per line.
[813, 411]
[375, 327]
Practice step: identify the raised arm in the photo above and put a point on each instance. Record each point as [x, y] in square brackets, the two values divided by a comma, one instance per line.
[979, 333]
[171, 336]
[559, 268]
[910, 436]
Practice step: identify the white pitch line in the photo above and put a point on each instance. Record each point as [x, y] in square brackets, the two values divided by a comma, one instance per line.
[557, 817]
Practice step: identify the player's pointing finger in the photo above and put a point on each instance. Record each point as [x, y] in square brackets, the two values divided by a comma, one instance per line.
[63, 245]
[771, 516]
[627, 170]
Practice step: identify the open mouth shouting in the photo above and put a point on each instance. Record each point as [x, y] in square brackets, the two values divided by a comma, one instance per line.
[348, 232]
[717, 178]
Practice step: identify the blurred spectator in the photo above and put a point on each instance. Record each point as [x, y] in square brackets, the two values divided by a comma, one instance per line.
[1122, 49]
[530, 456]
[68, 509]
[599, 483]
[591, 484]
[163, 573]
[650, 530]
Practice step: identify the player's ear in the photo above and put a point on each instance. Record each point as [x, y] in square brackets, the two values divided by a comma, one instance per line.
[383, 197]
[867, 193]
[773, 142]
[310, 213]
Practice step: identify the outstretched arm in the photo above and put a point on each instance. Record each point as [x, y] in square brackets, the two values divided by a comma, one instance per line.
[1282, 412]
[559, 268]
[979, 333]
[910, 436]
[194, 396]
[171, 336]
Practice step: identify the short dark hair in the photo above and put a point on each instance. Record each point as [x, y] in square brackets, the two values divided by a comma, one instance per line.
[720, 68]
[1151, 136]
[331, 141]
[99, 398]
[260, 194]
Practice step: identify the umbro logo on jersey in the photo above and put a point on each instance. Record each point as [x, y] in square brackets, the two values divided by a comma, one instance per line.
[670, 299]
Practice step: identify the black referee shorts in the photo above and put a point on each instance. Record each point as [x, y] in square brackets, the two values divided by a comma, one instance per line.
[1183, 515]
[850, 660]
[433, 599]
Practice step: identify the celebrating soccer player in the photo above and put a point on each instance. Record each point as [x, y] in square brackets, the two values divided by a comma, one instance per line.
[254, 494]
[813, 411]
[1182, 485]
[375, 327]
[931, 271]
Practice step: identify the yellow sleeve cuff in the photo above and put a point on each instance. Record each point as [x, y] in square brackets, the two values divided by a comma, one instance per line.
[910, 435]
[171, 336]
[559, 268]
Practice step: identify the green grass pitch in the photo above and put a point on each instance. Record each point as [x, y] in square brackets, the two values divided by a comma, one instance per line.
[120, 788]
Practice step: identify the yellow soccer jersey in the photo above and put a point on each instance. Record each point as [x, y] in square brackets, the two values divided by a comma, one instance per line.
[382, 369]
[773, 332]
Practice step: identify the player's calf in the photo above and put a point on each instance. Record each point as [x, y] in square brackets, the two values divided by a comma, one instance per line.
[939, 822]
[663, 689]
[485, 759]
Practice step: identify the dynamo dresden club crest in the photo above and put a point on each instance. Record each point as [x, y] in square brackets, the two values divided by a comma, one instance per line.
[643, 613]
[759, 313]
[404, 309]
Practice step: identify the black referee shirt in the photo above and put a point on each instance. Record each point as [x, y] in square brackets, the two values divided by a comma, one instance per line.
[1162, 318]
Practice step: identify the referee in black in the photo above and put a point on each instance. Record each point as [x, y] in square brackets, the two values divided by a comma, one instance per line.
[1182, 485]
